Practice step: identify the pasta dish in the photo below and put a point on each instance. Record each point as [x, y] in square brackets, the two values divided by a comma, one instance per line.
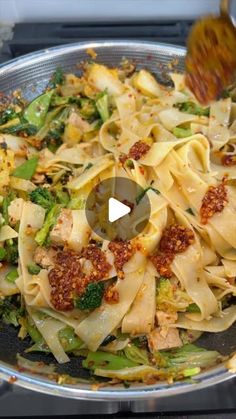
[130, 310]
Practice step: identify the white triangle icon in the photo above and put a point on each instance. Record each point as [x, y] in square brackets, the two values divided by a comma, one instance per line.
[116, 210]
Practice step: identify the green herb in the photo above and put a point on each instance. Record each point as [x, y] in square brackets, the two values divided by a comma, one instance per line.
[43, 197]
[182, 132]
[33, 269]
[107, 361]
[129, 163]
[102, 105]
[50, 220]
[144, 191]
[190, 211]
[92, 298]
[23, 127]
[5, 204]
[193, 308]
[58, 77]
[89, 165]
[37, 110]
[225, 94]
[27, 169]
[12, 275]
[55, 129]
[193, 108]
[7, 115]
[140, 342]
[12, 253]
[3, 253]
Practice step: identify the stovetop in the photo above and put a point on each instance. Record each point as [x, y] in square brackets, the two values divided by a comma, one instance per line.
[215, 402]
[211, 402]
[28, 37]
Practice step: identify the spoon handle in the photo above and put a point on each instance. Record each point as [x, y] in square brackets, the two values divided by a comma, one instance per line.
[224, 7]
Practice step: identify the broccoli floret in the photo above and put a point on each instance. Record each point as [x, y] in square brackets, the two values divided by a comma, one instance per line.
[11, 310]
[62, 197]
[103, 105]
[193, 108]
[12, 253]
[42, 197]
[50, 220]
[88, 108]
[92, 297]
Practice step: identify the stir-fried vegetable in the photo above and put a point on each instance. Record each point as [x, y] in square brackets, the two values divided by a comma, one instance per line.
[193, 308]
[43, 197]
[27, 169]
[168, 298]
[107, 361]
[11, 252]
[137, 355]
[182, 132]
[58, 77]
[69, 341]
[88, 108]
[19, 128]
[189, 356]
[193, 108]
[92, 297]
[103, 106]
[3, 253]
[11, 310]
[143, 192]
[36, 111]
[5, 204]
[33, 269]
[7, 115]
[50, 220]
[12, 275]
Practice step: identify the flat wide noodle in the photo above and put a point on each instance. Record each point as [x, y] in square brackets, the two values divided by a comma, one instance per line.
[224, 320]
[102, 321]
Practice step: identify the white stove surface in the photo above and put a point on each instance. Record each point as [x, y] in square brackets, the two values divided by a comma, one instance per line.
[96, 10]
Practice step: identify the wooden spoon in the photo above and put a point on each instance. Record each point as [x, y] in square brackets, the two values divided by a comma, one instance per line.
[211, 55]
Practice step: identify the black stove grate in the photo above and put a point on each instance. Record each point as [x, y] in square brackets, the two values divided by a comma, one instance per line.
[29, 37]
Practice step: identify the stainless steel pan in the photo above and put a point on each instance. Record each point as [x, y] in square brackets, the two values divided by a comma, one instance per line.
[30, 74]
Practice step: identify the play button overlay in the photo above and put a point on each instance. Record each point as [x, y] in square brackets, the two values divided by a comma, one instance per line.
[117, 209]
